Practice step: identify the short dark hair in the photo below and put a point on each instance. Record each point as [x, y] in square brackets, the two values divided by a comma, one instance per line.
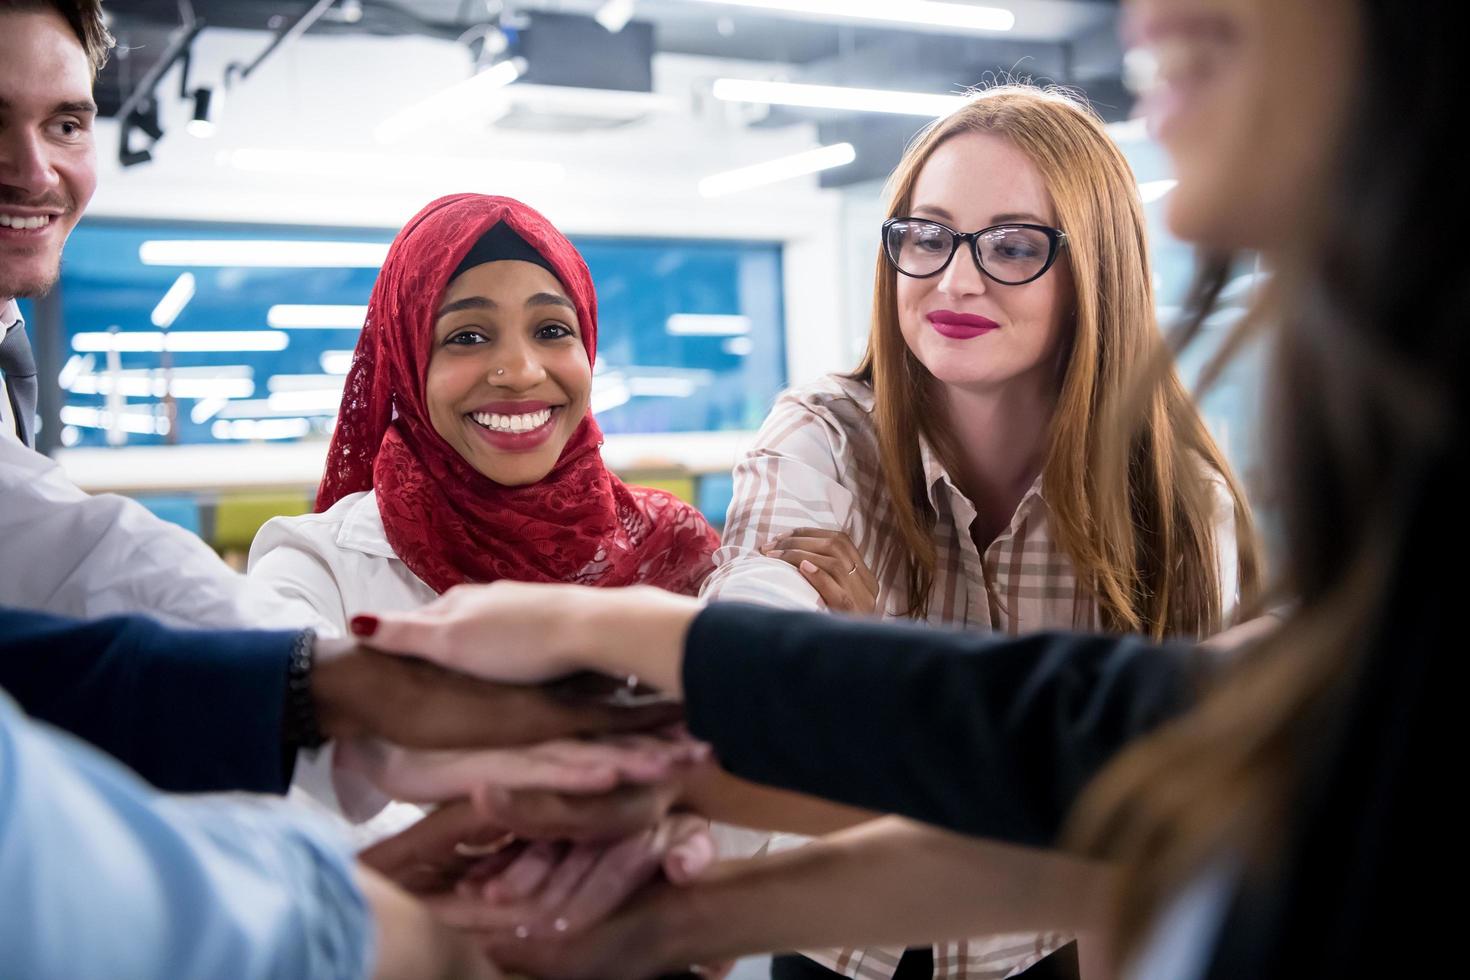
[85, 18]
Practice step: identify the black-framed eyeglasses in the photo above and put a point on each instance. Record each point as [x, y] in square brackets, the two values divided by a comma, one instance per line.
[1012, 255]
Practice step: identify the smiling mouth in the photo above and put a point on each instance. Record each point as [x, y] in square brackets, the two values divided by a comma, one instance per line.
[514, 424]
[17, 222]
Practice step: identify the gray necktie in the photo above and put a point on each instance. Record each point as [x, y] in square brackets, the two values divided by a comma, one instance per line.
[19, 368]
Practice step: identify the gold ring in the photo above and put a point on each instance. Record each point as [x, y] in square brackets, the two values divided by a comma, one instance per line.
[466, 849]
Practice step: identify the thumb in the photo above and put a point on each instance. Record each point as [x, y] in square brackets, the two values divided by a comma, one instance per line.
[692, 852]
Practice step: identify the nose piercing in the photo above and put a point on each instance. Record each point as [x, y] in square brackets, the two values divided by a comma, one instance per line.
[499, 372]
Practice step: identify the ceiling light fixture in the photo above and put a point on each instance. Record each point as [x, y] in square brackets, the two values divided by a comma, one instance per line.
[773, 171]
[836, 97]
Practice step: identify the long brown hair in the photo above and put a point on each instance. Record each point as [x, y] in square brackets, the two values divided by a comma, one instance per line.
[1368, 436]
[1142, 542]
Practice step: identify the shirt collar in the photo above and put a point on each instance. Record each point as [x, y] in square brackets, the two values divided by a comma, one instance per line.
[9, 316]
[362, 528]
[938, 484]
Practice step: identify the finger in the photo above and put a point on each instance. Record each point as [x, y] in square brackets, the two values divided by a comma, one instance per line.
[836, 567]
[639, 759]
[432, 839]
[525, 875]
[620, 870]
[426, 777]
[453, 631]
[809, 533]
[563, 766]
[840, 540]
[836, 543]
[413, 633]
[472, 914]
[831, 597]
[851, 578]
[567, 877]
[828, 586]
[691, 851]
[844, 563]
[471, 883]
[542, 815]
[822, 546]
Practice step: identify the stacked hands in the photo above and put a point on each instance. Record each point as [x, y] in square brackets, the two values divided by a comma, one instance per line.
[562, 847]
[537, 842]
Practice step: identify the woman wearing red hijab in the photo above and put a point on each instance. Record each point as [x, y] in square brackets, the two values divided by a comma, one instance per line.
[465, 450]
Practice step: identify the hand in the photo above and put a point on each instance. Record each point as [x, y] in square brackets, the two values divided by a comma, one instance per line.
[564, 766]
[438, 852]
[359, 692]
[556, 889]
[465, 868]
[636, 942]
[526, 633]
[548, 815]
[412, 945]
[830, 562]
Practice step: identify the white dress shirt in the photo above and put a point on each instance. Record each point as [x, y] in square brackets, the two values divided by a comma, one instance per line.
[330, 566]
[74, 554]
[326, 568]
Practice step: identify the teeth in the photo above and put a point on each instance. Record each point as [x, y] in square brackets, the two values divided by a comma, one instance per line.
[16, 221]
[512, 423]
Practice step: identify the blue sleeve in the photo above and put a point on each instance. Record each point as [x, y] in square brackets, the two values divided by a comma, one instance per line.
[188, 710]
[104, 877]
[988, 735]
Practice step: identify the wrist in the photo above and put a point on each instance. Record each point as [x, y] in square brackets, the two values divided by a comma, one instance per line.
[681, 924]
[706, 922]
[573, 629]
[337, 678]
[635, 631]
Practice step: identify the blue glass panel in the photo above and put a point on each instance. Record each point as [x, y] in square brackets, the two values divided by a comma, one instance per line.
[1231, 406]
[180, 510]
[714, 493]
[691, 337]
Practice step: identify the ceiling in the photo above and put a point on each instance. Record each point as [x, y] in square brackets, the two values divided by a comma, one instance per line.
[1070, 42]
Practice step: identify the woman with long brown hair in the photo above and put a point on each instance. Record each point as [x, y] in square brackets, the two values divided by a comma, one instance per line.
[1283, 828]
[960, 474]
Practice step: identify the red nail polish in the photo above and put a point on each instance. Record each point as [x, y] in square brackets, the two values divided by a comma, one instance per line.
[364, 625]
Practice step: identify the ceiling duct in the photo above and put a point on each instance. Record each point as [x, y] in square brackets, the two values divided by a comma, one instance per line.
[579, 75]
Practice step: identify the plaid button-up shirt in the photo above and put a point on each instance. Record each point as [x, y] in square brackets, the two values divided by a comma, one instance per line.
[815, 464]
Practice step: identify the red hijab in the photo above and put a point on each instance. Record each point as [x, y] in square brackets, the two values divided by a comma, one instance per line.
[448, 522]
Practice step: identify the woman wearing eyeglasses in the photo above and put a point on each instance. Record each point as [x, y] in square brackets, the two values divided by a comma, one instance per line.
[955, 476]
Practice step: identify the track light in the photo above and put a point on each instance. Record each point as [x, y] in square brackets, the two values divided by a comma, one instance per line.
[131, 158]
[144, 119]
[202, 124]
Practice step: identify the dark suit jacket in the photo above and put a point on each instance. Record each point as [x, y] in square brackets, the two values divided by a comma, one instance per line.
[984, 734]
[997, 736]
[189, 710]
